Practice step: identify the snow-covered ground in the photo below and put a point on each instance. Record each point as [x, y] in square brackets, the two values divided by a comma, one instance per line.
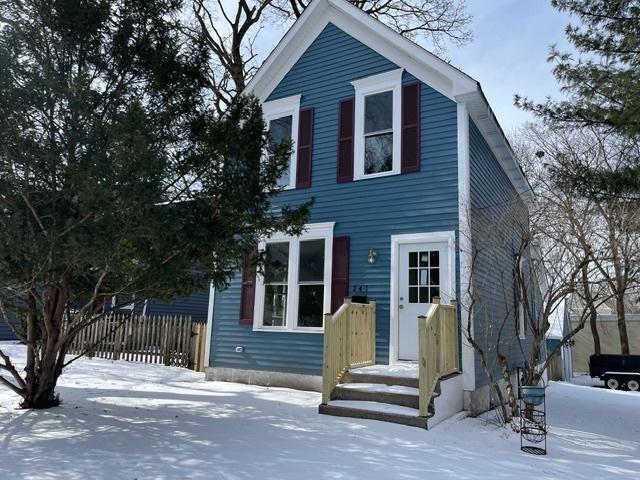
[124, 420]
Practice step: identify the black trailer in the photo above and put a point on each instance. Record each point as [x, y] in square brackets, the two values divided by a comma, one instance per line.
[617, 371]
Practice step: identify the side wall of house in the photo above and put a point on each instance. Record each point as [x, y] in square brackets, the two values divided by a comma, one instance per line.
[368, 211]
[195, 305]
[5, 331]
[498, 216]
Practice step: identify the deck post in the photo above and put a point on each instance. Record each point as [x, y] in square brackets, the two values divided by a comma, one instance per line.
[326, 371]
[373, 332]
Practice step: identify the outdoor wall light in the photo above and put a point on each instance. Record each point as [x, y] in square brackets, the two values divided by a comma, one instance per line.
[372, 256]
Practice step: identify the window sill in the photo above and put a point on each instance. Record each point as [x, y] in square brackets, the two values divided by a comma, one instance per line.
[315, 330]
[376, 175]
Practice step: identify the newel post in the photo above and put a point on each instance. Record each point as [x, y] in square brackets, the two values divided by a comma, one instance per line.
[437, 330]
[347, 334]
[422, 366]
[373, 332]
[327, 358]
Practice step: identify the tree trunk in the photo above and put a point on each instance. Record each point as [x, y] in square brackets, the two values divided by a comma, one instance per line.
[593, 313]
[41, 388]
[622, 325]
[593, 322]
[506, 376]
[45, 355]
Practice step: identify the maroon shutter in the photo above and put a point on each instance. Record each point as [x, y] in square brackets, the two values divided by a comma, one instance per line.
[410, 128]
[345, 139]
[305, 147]
[248, 293]
[339, 272]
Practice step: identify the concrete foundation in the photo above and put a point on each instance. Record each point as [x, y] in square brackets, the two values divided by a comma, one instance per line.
[483, 399]
[265, 378]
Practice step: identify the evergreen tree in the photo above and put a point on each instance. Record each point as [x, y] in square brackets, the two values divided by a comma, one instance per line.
[602, 83]
[117, 178]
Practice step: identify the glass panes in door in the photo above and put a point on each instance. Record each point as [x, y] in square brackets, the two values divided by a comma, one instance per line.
[424, 276]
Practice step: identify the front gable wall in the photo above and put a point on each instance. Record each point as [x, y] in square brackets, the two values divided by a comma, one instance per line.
[368, 211]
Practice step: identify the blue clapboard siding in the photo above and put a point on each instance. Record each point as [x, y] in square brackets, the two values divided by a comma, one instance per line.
[369, 211]
[497, 219]
[195, 305]
[5, 331]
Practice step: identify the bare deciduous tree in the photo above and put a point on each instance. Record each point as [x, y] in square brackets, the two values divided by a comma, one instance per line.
[231, 30]
[607, 225]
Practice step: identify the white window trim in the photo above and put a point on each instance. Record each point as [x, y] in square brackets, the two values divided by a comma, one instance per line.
[281, 108]
[313, 231]
[521, 329]
[382, 82]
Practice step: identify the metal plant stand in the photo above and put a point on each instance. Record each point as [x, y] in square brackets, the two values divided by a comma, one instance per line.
[533, 420]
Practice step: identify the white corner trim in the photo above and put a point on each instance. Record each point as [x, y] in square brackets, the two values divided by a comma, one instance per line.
[283, 107]
[465, 245]
[207, 347]
[383, 82]
[447, 237]
[312, 231]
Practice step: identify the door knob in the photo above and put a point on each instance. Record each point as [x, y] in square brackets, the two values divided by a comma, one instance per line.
[400, 307]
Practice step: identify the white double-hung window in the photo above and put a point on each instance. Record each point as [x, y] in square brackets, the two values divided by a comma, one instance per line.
[281, 117]
[377, 125]
[294, 291]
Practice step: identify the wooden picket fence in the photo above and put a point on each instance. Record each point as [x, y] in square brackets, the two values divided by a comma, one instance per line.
[170, 340]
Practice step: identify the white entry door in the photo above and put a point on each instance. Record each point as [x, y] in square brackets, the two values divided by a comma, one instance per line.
[423, 273]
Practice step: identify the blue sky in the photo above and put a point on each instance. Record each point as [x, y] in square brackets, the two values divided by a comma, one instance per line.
[508, 54]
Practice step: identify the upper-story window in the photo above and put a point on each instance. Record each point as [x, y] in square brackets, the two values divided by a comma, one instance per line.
[377, 125]
[281, 117]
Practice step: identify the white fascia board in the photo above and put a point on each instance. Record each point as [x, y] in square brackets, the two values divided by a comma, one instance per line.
[290, 48]
[422, 64]
[484, 118]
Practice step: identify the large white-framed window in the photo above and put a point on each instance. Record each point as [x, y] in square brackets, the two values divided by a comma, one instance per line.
[294, 291]
[281, 117]
[377, 130]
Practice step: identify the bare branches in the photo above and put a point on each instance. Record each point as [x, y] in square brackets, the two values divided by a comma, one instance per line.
[231, 30]
[434, 21]
[8, 366]
[230, 36]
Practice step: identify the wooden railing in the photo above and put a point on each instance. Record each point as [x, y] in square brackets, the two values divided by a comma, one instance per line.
[349, 342]
[438, 349]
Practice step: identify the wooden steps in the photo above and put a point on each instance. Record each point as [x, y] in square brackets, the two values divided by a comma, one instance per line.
[374, 411]
[376, 396]
[356, 377]
[394, 395]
